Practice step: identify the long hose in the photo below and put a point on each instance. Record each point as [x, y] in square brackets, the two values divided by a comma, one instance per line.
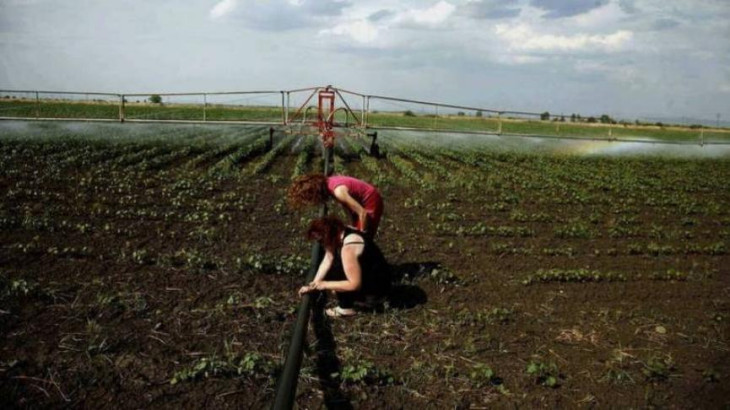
[286, 387]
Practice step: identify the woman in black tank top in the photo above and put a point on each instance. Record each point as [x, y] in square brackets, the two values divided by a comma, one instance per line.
[353, 266]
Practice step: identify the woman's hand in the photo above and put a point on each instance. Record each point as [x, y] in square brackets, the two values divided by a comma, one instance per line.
[313, 286]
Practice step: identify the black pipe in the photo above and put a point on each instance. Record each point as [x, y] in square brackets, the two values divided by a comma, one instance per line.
[374, 147]
[286, 387]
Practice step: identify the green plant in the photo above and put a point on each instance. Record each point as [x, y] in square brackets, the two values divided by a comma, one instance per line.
[617, 368]
[669, 274]
[658, 368]
[546, 374]
[294, 265]
[443, 276]
[483, 375]
[232, 365]
[364, 372]
[572, 275]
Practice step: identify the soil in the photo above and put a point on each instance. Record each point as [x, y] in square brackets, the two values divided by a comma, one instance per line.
[118, 280]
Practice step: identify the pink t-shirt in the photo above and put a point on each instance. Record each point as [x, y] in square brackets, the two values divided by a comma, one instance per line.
[361, 191]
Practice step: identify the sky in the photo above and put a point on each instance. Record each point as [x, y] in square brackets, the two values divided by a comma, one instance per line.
[626, 58]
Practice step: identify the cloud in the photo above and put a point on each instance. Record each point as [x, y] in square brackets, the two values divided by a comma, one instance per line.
[623, 73]
[566, 8]
[381, 15]
[366, 28]
[280, 15]
[362, 31]
[517, 59]
[523, 37]
[628, 6]
[222, 8]
[435, 14]
[664, 24]
[490, 9]
[323, 7]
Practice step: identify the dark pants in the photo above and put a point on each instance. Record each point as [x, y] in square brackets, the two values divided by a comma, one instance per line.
[375, 283]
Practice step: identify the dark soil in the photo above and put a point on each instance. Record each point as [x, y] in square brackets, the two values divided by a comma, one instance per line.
[118, 280]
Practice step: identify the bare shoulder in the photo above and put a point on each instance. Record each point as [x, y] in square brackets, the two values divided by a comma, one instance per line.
[353, 243]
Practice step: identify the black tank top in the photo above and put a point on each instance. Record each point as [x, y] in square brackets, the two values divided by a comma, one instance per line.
[372, 262]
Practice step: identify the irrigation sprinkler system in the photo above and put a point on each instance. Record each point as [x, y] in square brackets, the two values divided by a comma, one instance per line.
[287, 384]
[377, 112]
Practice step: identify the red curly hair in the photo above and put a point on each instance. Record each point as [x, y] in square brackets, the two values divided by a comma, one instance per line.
[308, 189]
[327, 231]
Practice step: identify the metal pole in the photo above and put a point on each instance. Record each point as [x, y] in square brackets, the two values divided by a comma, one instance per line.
[286, 111]
[37, 105]
[499, 124]
[362, 112]
[367, 112]
[286, 387]
[205, 107]
[283, 108]
[121, 108]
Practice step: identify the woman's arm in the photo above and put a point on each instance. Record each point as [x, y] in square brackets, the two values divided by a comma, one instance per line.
[322, 270]
[324, 266]
[343, 195]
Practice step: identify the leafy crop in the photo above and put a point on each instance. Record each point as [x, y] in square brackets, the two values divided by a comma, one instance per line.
[544, 373]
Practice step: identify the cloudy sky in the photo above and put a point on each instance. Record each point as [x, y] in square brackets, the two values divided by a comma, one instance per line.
[628, 58]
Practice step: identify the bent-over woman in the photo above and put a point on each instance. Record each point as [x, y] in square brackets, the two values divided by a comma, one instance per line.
[361, 200]
[353, 266]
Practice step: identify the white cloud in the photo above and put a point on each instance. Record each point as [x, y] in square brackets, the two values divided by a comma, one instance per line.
[523, 37]
[361, 31]
[435, 14]
[607, 16]
[517, 59]
[625, 74]
[222, 8]
[364, 30]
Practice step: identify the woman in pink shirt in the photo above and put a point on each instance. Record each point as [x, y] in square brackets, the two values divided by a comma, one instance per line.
[360, 200]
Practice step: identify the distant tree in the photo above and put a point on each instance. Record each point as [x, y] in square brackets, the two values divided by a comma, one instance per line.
[562, 118]
[479, 113]
[659, 124]
[545, 116]
[572, 117]
[409, 113]
[460, 113]
[606, 119]
[591, 119]
[156, 99]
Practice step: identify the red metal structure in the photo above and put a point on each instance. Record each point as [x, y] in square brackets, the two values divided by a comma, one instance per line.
[325, 121]
[325, 116]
